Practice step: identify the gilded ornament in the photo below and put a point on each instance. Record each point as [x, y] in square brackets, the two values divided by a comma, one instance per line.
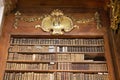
[17, 18]
[114, 14]
[97, 20]
[57, 23]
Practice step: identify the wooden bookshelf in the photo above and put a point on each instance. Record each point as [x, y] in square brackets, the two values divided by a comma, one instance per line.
[56, 58]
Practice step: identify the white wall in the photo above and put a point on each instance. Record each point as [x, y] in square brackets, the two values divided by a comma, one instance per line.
[1, 14]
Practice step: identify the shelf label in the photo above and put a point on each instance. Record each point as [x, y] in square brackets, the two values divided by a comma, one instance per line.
[52, 62]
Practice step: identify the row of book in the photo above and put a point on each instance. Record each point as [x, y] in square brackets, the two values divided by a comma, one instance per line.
[28, 76]
[60, 66]
[58, 49]
[54, 76]
[70, 57]
[96, 67]
[32, 48]
[28, 41]
[29, 66]
[80, 49]
[32, 57]
[46, 57]
[92, 67]
[81, 76]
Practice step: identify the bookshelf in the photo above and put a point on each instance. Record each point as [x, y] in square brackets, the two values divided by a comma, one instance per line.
[34, 58]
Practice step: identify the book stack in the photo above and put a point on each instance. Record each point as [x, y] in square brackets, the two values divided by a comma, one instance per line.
[35, 58]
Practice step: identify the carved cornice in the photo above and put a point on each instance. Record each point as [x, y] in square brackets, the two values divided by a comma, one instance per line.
[57, 22]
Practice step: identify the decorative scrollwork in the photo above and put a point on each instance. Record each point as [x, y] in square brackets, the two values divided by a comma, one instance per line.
[57, 22]
[114, 14]
[96, 18]
[17, 18]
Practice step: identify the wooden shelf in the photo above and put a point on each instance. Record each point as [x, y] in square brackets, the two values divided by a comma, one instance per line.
[32, 44]
[57, 45]
[82, 71]
[74, 71]
[26, 52]
[85, 62]
[31, 61]
[80, 52]
[46, 71]
[27, 61]
[56, 52]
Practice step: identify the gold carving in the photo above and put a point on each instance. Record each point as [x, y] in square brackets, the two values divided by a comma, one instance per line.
[31, 19]
[17, 18]
[114, 14]
[96, 18]
[84, 20]
[57, 23]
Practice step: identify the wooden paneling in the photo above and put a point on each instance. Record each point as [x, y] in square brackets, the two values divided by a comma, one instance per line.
[116, 39]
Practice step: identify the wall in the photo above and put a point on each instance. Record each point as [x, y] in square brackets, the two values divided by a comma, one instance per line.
[1, 15]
